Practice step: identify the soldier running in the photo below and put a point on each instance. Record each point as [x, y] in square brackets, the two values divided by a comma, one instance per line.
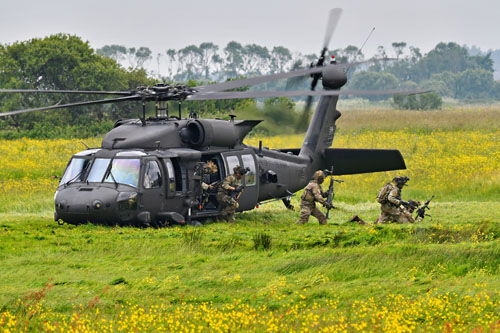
[312, 193]
[228, 202]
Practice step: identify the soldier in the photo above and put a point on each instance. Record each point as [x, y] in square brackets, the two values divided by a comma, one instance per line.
[313, 193]
[208, 169]
[412, 205]
[229, 203]
[392, 208]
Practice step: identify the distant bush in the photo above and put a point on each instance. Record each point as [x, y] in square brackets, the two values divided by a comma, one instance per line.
[427, 101]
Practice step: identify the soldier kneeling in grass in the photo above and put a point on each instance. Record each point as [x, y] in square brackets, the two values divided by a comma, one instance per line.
[392, 207]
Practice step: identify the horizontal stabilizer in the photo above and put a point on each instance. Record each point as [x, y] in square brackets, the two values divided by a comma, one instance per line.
[346, 161]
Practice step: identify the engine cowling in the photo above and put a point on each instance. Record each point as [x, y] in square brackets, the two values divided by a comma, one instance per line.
[214, 132]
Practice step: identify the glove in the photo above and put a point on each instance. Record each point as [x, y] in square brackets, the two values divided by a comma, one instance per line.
[240, 188]
[328, 205]
[324, 194]
[404, 203]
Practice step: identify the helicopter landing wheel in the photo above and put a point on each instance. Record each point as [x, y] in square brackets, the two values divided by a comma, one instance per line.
[195, 223]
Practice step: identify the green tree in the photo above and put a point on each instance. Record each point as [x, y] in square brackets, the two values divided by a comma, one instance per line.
[115, 52]
[369, 80]
[62, 62]
[474, 84]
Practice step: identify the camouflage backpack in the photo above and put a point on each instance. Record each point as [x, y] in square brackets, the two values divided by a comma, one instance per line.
[383, 194]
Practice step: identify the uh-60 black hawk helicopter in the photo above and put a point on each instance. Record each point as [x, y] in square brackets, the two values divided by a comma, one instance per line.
[146, 171]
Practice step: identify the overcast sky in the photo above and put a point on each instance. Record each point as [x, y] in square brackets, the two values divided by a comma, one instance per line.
[298, 25]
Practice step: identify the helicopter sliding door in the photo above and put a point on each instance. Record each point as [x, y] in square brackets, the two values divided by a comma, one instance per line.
[246, 159]
[175, 184]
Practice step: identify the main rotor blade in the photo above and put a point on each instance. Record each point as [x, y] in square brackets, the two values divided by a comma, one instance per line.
[258, 79]
[304, 117]
[272, 77]
[265, 94]
[61, 106]
[81, 92]
[333, 20]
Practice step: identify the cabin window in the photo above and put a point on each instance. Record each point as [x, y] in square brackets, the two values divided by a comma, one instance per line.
[98, 170]
[124, 171]
[232, 161]
[75, 172]
[152, 175]
[171, 175]
[249, 162]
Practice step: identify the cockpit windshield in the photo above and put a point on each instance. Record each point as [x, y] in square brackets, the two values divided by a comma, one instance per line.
[98, 170]
[75, 172]
[119, 170]
[124, 171]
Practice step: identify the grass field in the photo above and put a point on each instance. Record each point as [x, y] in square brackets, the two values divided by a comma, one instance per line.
[263, 272]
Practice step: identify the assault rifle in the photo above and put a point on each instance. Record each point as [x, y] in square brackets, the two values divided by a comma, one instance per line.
[236, 194]
[421, 211]
[331, 192]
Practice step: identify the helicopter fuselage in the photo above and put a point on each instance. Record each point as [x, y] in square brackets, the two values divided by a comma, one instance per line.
[156, 187]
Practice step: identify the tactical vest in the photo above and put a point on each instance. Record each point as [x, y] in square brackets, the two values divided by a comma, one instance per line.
[383, 194]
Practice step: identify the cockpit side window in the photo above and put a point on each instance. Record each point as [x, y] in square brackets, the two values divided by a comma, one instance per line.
[152, 175]
[124, 171]
[76, 170]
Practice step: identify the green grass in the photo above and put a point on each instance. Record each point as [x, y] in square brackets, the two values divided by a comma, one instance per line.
[263, 258]
[218, 262]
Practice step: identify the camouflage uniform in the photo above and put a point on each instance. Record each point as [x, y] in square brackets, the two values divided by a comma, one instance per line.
[227, 202]
[203, 175]
[208, 168]
[392, 209]
[312, 193]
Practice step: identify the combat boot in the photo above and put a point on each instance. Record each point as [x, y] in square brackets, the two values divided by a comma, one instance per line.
[355, 218]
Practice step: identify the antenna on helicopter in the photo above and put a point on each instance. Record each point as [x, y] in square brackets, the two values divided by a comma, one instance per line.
[359, 51]
[83, 143]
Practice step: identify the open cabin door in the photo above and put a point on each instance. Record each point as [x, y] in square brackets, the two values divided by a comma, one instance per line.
[246, 159]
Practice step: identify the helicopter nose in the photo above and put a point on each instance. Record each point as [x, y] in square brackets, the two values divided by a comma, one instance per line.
[82, 204]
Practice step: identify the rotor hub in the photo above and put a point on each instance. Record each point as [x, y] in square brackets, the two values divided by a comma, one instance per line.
[164, 92]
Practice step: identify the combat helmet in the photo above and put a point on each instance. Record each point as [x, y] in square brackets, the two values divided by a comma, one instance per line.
[210, 167]
[400, 180]
[319, 176]
[241, 170]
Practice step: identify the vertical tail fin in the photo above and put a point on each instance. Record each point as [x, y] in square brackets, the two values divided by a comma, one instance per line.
[321, 130]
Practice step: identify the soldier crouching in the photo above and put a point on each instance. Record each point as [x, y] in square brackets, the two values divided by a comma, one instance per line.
[393, 208]
[229, 203]
[312, 194]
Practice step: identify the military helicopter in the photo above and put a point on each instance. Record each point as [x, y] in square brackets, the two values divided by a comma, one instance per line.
[146, 172]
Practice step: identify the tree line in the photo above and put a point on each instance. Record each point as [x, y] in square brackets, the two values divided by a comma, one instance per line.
[450, 70]
[66, 62]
